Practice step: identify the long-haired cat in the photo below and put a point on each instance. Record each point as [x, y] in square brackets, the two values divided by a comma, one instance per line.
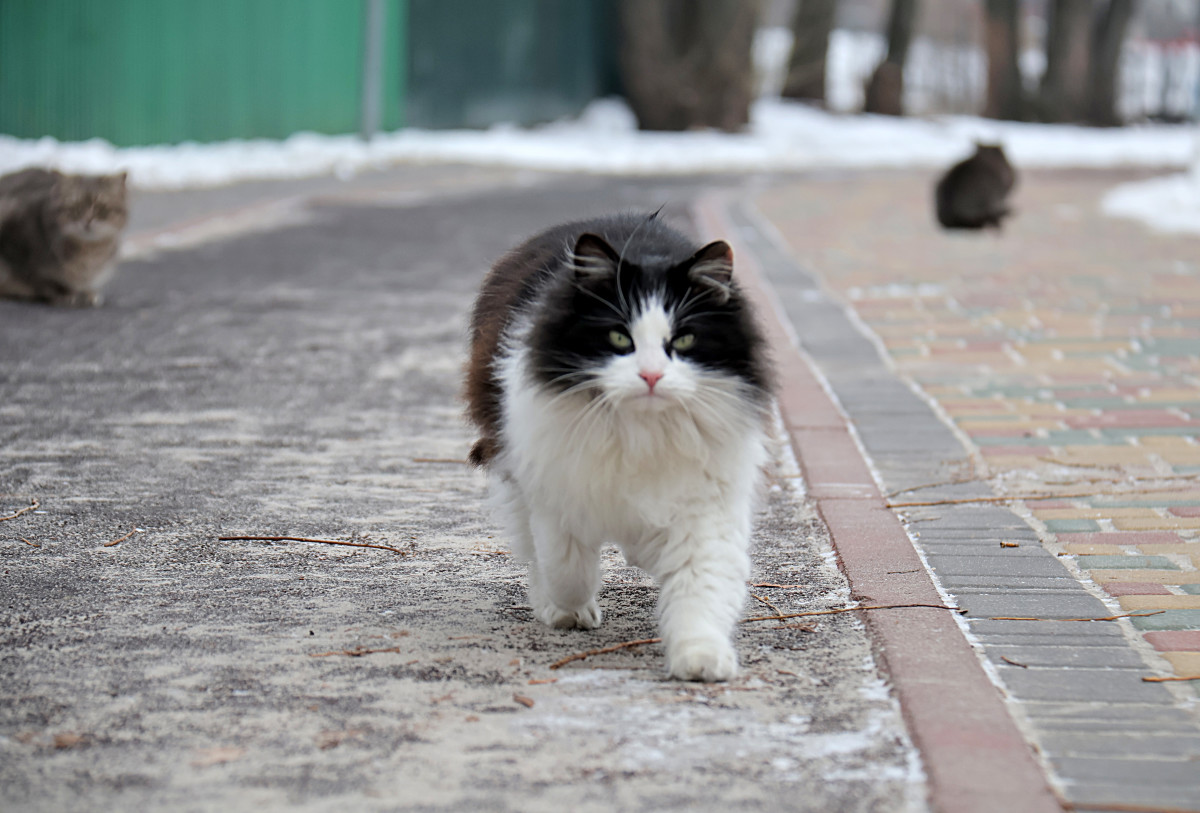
[59, 234]
[973, 193]
[621, 387]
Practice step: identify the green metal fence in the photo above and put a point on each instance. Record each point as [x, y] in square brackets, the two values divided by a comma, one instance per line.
[166, 71]
[473, 63]
[163, 71]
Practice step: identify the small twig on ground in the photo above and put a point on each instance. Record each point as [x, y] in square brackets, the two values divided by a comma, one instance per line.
[777, 586]
[527, 702]
[850, 610]
[353, 653]
[1012, 498]
[623, 645]
[767, 602]
[1042, 618]
[536, 682]
[122, 539]
[27, 542]
[799, 627]
[33, 506]
[1007, 659]
[1010, 544]
[1173, 677]
[925, 486]
[306, 539]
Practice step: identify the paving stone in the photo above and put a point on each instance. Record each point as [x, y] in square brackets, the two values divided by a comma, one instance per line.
[1075, 633]
[1174, 640]
[1177, 773]
[1096, 657]
[1097, 717]
[1104, 685]
[932, 537]
[1046, 605]
[1122, 538]
[997, 565]
[980, 519]
[1132, 795]
[1071, 525]
[1122, 744]
[1169, 620]
[1126, 563]
[954, 583]
[986, 548]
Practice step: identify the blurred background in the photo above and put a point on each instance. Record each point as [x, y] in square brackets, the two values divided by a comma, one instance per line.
[141, 72]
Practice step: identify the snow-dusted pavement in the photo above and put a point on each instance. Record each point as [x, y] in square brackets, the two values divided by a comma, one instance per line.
[293, 370]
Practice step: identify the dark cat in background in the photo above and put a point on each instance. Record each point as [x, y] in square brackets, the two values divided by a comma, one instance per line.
[59, 235]
[973, 193]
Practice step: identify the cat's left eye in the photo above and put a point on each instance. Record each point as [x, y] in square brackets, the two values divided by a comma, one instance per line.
[684, 342]
[619, 340]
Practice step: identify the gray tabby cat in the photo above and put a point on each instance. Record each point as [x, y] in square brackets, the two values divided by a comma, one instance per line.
[59, 235]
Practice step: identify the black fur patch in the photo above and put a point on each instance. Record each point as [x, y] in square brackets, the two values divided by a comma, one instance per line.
[584, 302]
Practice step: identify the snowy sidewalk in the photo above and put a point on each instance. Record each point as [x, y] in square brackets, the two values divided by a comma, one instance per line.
[293, 371]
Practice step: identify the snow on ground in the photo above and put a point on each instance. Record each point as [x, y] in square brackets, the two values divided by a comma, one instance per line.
[604, 139]
[1169, 204]
[782, 136]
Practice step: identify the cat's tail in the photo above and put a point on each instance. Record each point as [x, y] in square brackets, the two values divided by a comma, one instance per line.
[482, 452]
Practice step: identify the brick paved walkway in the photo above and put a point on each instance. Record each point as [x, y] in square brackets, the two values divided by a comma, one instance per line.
[1066, 349]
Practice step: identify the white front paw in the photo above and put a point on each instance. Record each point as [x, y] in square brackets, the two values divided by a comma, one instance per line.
[587, 617]
[703, 659]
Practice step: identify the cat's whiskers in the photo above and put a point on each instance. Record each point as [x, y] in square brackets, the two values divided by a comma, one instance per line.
[586, 420]
[684, 308]
[621, 260]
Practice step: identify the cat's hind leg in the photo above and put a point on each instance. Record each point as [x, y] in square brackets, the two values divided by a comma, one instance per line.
[563, 578]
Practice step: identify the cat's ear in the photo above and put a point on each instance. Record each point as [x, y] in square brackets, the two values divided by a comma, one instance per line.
[712, 266]
[593, 256]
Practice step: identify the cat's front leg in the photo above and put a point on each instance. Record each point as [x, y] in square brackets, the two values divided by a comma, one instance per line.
[77, 299]
[563, 578]
[703, 589]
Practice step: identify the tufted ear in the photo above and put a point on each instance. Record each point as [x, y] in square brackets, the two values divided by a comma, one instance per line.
[713, 266]
[593, 256]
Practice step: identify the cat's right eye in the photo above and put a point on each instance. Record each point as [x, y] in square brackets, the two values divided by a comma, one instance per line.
[619, 340]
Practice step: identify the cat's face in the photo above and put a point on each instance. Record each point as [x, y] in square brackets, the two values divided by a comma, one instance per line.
[91, 207]
[651, 336]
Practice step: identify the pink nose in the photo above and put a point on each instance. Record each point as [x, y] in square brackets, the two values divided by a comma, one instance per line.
[650, 378]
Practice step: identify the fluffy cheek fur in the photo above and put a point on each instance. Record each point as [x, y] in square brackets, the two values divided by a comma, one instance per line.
[671, 478]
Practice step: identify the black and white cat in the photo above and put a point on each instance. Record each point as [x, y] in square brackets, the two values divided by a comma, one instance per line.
[621, 389]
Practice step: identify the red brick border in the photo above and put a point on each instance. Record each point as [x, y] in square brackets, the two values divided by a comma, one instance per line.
[974, 755]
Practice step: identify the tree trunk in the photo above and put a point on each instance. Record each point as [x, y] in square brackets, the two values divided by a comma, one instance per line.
[1108, 36]
[885, 90]
[810, 49]
[686, 64]
[1005, 98]
[1064, 86]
